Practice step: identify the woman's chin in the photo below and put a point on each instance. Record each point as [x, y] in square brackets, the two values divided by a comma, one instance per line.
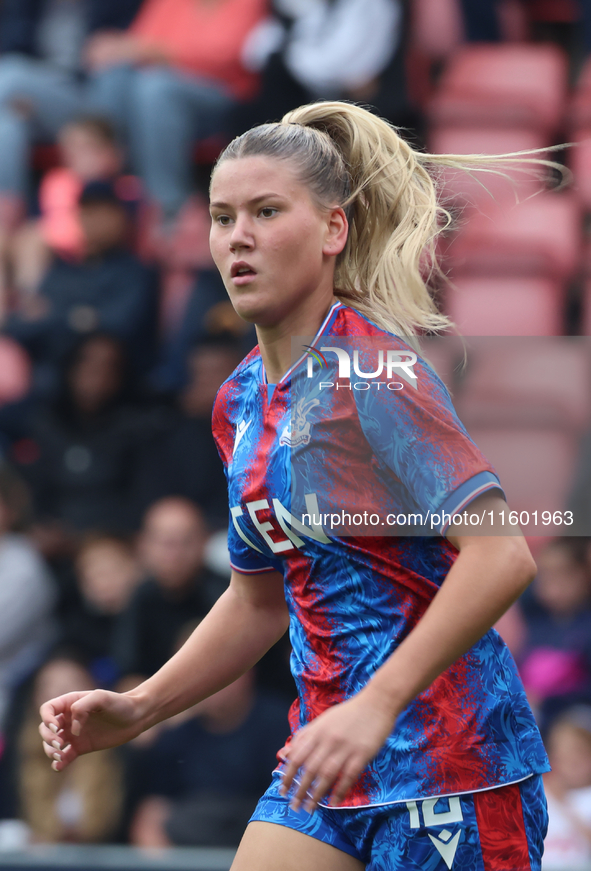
[253, 311]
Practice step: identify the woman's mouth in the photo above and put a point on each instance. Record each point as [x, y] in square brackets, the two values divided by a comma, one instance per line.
[242, 272]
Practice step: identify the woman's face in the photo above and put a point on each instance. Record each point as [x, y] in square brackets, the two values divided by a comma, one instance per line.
[274, 247]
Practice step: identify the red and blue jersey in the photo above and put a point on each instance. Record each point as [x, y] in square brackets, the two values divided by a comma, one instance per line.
[293, 457]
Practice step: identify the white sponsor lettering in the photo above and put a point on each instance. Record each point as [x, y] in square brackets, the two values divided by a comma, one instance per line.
[263, 528]
[236, 512]
[290, 525]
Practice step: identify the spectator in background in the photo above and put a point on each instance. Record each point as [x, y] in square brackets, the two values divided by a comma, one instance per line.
[556, 663]
[177, 587]
[568, 790]
[107, 572]
[201, 774]
[41, 45]
[110, 289]
[86, 804]
[78, 451]
[27, 594]
[89, 152]
[331, 49]
[184, 459]
[172, 78]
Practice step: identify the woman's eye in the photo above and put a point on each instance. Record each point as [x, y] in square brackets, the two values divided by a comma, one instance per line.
[268, 212]
[223, 220]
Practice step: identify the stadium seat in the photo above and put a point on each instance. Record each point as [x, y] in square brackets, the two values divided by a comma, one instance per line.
[535, 467]
[436, 27]
[538, 237]
[466, 187]
[533, 381]
[554, 11]
[481, 306]
[503, 85]
[435, 31]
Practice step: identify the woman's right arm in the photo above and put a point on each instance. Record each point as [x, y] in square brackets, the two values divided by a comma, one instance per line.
[249, 617]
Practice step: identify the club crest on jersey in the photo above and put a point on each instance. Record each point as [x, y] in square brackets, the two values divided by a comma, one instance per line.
[297, 432]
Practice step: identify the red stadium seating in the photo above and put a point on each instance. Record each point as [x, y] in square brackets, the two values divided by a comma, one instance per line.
[504, 85]
[481, 306]
[527, 381]
[466, 187]
[435, 31]
[554, 11]
[538, 237]
[535, 466]
[436, 27]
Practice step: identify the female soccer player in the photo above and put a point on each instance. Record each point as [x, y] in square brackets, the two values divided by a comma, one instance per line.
[412, 745]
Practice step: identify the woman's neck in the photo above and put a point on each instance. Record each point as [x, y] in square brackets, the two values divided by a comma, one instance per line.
[275, 342]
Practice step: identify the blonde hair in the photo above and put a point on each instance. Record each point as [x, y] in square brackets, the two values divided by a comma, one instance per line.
[351, 158]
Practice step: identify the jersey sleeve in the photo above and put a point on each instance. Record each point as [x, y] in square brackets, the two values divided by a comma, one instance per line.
[245, 556]
[415, 432]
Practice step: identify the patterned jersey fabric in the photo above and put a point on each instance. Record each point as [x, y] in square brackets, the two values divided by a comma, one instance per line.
[353, 598]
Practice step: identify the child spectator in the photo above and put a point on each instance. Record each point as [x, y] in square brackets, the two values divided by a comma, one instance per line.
[107, 572]
[86, 804]
[568, 790]
[110, 289]
[41, 58]
[557, 611]
[89, 152]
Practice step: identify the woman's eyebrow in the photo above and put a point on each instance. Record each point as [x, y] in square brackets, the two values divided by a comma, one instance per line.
[219, 205]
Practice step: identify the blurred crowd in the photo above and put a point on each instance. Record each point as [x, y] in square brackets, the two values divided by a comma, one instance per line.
[115, 334]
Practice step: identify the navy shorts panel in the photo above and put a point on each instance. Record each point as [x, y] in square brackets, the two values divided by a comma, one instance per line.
[501, 829]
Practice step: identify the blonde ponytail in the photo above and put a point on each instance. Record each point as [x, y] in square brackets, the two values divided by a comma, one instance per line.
[351, 158]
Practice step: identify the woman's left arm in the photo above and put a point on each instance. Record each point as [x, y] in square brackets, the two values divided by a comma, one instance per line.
[489, 574]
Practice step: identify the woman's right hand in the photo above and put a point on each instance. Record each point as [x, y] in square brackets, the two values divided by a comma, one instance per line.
[81, 722]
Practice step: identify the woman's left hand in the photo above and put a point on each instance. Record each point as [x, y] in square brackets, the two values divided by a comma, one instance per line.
[334, 749]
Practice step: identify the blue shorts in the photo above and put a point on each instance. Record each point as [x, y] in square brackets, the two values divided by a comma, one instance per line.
[501, 829]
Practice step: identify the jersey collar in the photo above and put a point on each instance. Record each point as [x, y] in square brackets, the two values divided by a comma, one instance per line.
[323, 327]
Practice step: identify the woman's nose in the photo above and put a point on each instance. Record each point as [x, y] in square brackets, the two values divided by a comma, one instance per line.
[241, 235]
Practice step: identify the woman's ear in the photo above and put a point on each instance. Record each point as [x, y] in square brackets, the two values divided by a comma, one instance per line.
[337, 230]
